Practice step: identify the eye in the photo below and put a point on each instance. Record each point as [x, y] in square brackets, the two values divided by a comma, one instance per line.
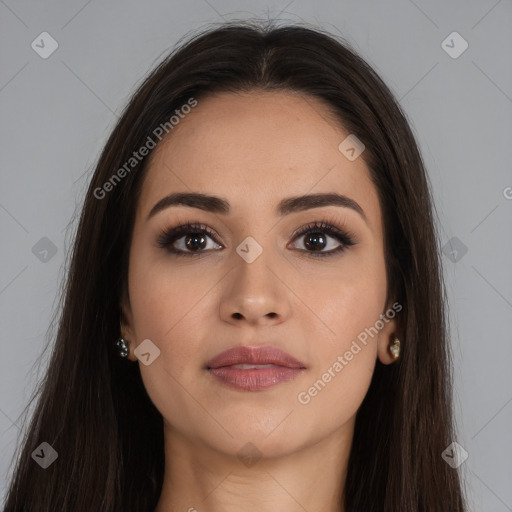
[315, 240]
[187, 240]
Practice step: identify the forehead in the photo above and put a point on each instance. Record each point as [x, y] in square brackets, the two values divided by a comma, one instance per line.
[254, 149]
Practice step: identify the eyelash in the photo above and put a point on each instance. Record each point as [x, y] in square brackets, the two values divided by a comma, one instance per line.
[169, 236]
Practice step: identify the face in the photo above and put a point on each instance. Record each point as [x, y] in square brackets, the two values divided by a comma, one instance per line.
[318, 296]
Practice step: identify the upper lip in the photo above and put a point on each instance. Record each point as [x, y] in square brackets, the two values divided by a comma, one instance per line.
[254, 355]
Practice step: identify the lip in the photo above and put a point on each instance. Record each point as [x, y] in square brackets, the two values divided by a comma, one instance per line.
[283, 367]
[254, 355]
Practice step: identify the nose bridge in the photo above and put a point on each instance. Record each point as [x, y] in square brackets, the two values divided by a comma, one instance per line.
[254, 292]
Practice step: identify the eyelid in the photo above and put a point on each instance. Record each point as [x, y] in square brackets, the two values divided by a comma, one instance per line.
[169, 235]
[327, 226]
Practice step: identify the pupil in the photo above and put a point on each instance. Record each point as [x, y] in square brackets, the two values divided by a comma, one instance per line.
[192, 245]
[314, 241]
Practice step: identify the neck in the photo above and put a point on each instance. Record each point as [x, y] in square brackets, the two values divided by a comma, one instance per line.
[200, 478]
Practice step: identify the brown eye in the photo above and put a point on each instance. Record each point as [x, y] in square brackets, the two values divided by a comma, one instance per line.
[195, 241]
[316, 238]
[188, 240]
[315, 241]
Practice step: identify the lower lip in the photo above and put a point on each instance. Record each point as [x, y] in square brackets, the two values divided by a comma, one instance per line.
[254, 379]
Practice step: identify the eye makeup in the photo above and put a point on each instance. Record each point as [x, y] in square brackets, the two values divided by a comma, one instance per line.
[200, 231]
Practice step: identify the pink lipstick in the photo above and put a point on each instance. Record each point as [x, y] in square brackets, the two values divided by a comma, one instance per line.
[254, 368]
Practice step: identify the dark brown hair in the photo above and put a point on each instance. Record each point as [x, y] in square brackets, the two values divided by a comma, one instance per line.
[93, 408]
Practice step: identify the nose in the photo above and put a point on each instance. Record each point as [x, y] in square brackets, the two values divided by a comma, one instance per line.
[255, 294]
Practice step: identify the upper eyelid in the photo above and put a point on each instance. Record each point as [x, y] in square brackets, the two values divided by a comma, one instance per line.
[319, 224]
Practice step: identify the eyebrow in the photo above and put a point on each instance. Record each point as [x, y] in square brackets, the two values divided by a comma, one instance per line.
[285, 207]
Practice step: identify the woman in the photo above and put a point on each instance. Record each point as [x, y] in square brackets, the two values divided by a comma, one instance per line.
[254, 313]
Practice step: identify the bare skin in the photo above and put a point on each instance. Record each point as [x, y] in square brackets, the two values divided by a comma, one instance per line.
[254, 150]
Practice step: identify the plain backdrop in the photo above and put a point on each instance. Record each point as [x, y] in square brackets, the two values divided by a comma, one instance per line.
[56, 113]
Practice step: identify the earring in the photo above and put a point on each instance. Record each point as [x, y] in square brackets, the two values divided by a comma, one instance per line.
[394, 348]
[122, 347]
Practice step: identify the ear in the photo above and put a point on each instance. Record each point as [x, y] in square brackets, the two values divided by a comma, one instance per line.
[386, 336]
[127, 327]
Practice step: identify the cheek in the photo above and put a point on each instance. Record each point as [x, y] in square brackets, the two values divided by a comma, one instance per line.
[349, 301]
[343, 360]
[170, 308]
[171, 305]
[163, 291]
[343, 339]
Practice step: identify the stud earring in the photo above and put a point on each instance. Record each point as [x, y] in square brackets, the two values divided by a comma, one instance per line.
[394, 348]
[122, 347]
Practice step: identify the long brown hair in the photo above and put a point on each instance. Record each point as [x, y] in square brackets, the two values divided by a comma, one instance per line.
[93, 408]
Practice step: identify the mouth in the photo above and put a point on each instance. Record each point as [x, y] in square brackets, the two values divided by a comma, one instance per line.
[254, 369]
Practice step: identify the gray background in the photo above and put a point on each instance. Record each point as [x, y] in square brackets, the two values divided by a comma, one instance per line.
[56, 114]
